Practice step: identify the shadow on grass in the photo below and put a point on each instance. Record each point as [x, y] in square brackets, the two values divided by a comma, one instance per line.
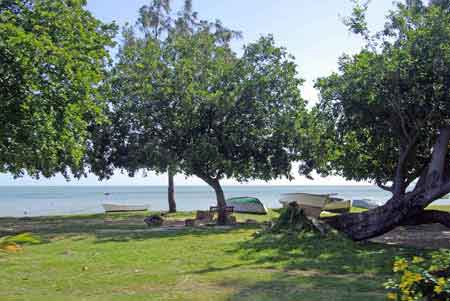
[283, 286]
[135, 236]
[105, 228]
[331, 254]
[312, 267]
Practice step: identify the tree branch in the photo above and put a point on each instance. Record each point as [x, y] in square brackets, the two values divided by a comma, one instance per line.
[435, 173]
[399, 184]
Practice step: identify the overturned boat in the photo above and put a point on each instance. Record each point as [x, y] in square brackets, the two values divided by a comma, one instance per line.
[248, 205]
[314, 204]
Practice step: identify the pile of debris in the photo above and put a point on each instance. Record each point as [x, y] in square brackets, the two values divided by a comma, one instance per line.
[154, 221]
[293, 218]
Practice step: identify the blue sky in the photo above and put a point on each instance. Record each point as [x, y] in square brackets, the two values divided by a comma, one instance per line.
[311, 30]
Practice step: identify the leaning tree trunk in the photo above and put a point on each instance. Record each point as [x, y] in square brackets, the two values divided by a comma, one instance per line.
[221, 204]
[171, 192]
[405, 208]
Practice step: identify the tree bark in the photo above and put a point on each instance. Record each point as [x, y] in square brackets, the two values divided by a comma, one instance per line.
[429, 217]
[221, 204]
[171, 192]
[404, 208]
[372, 223]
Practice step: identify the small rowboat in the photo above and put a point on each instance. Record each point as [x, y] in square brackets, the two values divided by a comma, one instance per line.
[248, 205]
[307, 199]
[124, 208]
[314, 204]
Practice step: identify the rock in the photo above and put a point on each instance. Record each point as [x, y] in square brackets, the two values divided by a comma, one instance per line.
[154, 221]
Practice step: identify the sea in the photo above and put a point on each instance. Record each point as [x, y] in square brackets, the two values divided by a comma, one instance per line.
[22, 201]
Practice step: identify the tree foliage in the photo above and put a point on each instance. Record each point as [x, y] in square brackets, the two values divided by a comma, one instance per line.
[53, 55]
[387, 112]
[389, 104]
[182, 95]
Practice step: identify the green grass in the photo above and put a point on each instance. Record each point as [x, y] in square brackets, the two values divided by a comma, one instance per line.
[77, 260]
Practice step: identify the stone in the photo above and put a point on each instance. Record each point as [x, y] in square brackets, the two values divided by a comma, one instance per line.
[154, 221]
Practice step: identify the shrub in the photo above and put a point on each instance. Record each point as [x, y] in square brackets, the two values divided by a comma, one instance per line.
[421, 278]
[13, 243]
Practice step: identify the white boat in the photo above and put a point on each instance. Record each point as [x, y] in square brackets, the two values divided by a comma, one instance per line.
[314, 204]
[124, 208]
[307, 199]
[249, 205]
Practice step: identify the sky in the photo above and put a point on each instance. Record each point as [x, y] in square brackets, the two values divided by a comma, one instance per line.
[311, 30]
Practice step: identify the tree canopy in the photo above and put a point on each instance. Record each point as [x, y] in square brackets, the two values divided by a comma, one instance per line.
[388, 108]
[188, 98]
[53, 57]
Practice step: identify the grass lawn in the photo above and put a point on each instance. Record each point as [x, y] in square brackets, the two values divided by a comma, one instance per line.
[79, 260]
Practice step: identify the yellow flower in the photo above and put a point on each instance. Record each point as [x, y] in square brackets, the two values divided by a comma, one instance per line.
[400, 265]
[438, 289]
[433, 268]
[407, 298]
[392, 296]
[417, 259]
[441, 281]
[417, 277]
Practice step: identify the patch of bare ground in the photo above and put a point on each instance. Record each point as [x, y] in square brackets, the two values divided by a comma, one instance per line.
[433, 236]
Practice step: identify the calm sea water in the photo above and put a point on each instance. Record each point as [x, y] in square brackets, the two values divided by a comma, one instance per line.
[59, 200]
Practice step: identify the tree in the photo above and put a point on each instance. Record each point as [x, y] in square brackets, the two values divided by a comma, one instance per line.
[191, 100]
[171, 191]
[53, 56]
[388, 112]
[156, 25]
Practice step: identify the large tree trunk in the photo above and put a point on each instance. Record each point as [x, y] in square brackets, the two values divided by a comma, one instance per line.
[373, 222]
[171, 192]
[404, 208]
[221, 204]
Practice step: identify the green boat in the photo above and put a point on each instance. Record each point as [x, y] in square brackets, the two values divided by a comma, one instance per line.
[248, 205]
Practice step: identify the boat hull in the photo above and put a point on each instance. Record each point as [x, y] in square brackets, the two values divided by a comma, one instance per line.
[314, 204]
[124, 208]
[240, 205]
[306, 199]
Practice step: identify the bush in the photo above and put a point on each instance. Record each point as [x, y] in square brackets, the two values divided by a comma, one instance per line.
[421, 278]
[13, 243]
